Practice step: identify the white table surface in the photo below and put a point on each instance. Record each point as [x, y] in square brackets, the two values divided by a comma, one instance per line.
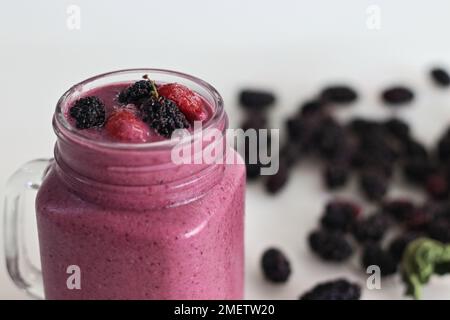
[293, 47]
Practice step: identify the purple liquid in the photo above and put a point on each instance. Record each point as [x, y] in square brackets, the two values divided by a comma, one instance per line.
[128, 227]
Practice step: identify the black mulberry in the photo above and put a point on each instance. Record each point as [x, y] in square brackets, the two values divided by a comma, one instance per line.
[277, 181]
[163, 115]
[397, 95]
[440, 77]
[312, 107]
[275, 265]
[339, 289]
[330, 246]
[443, 147]
[371, 229]
[398, 128]
[398, 245]
[137, 92]
[374, 184]
[256, 99]
[336, 175]
[417, 170]
[339, 94]
[340, 215]
[439, 229]
[373, 254]
[400, 209]
[88, 112]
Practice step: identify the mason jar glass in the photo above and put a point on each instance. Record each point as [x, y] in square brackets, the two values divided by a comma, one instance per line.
[123, 221]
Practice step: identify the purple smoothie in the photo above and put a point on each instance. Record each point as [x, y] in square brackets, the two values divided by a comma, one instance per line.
[137, 225]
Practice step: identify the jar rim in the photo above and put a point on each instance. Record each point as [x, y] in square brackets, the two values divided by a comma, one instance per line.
[63, 129]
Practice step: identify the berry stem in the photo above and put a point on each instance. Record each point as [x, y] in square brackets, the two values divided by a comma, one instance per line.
[155, 90]
[152, 82]
[419, 263]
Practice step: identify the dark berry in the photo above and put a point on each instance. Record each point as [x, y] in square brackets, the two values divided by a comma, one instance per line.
[400, 209]
[376, 151]
[417, 170]
[437, 186]
[398, 245]
[440, 77]
[163, 115]
[339, 289]
[340, 215]
[336, 175]
[373, 184]
[377, 140]
[443, 147]
[295, 127]
[339, 94]
[137, 92]
[275, 265]
[330, 246]
[363, 126]
[290, 154]
[250, 149]
[253, 170]
[312, 107]
[442, 268]
[303, 130]
[371, 229]
[256, 99]
[330, 139]
[88, 112]
[373, 254]
[421, 217]
[398, 128]
[374, 162]
[277, 181]
[397, 95]
[414, 149]
[254, 121]
[439, 210]
[439, 229]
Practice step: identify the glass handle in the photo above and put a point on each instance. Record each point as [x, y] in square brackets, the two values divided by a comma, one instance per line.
[25, 275]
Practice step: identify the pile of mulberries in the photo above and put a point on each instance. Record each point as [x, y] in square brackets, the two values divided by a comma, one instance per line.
[343, 228]
[374, 152]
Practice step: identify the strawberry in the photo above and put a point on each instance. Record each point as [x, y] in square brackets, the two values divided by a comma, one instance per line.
[123, 125]
[189, 102]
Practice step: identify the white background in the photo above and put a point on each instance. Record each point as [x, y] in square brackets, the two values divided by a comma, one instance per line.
[293, 47]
